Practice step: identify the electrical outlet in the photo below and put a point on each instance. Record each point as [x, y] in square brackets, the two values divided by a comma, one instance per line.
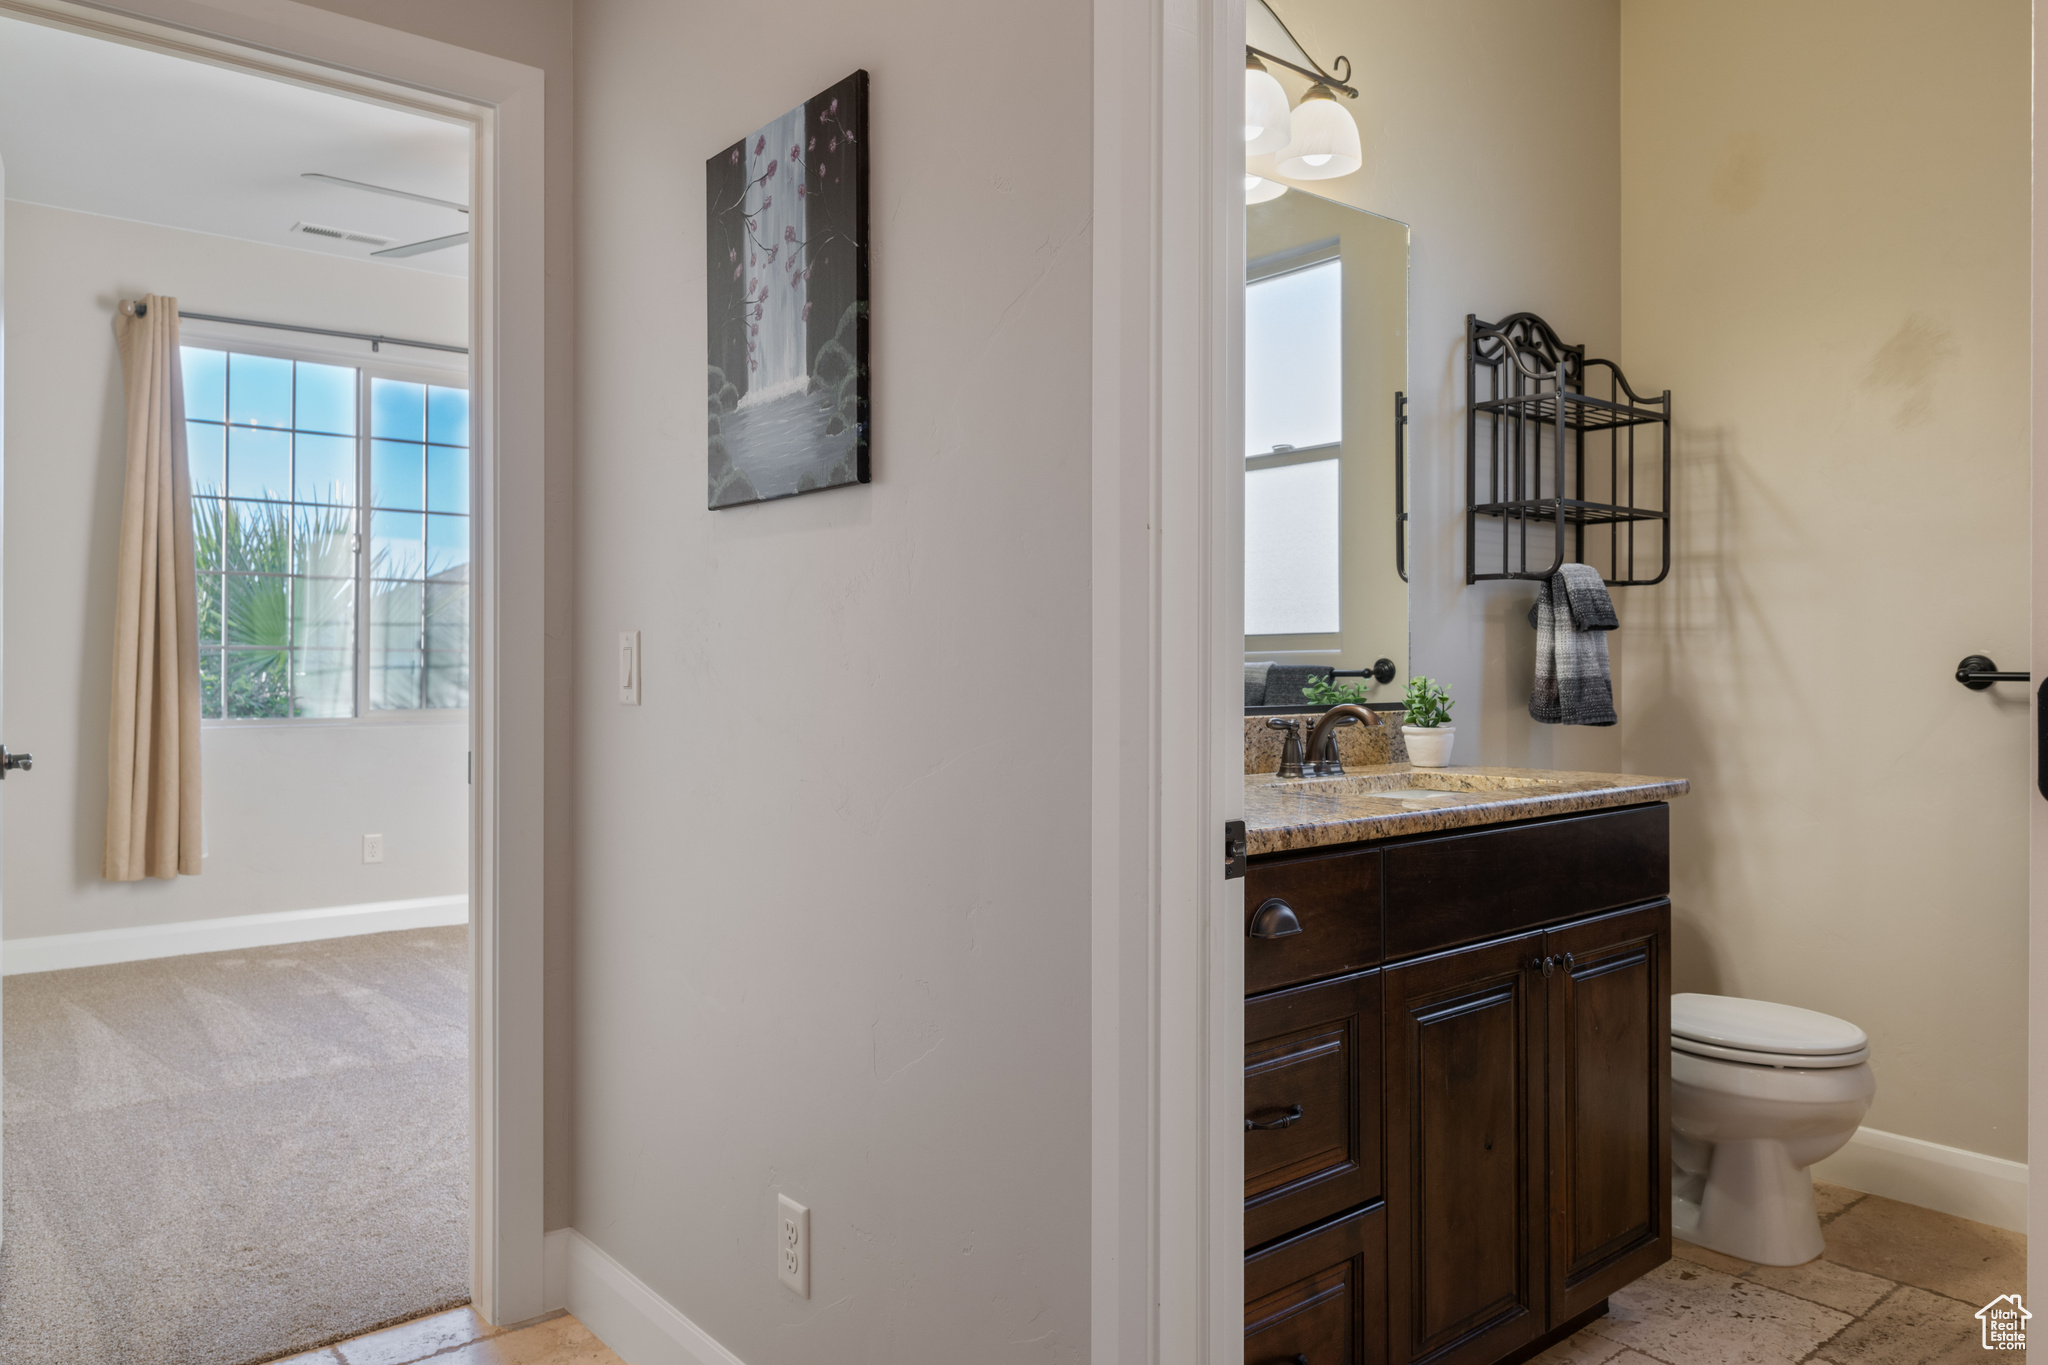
[629, 668]
[373, 848]
[793, 1246]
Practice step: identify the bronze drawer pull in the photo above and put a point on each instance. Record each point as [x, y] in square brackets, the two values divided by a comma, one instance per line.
[1289, 1116]
[1275, 918]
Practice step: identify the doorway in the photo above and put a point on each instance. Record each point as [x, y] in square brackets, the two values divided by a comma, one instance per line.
[498, 1166]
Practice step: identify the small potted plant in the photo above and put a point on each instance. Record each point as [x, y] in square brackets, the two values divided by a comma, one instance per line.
[1427, 724]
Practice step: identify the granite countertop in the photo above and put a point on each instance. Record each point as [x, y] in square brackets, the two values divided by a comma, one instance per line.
[1394, 798]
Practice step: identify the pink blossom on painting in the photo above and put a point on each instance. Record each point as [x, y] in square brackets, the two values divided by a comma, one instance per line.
[833, 145]
[800, 190]
[795, 151]
[767, 202]
[732, 253]
[735, 156]
[807, 310]
[833, 107]
[789, 232]
[771, 167]
[738, 270]
[761, 144]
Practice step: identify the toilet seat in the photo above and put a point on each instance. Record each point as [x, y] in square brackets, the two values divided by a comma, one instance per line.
[1763, 1033]
[1777, 1059]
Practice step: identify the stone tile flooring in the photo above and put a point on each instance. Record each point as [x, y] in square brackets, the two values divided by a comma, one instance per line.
[1897, 1285]
[461, 1337]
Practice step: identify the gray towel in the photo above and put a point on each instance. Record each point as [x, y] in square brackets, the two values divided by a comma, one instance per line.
[1285, 681]
[1255, 683]
[1572, 616]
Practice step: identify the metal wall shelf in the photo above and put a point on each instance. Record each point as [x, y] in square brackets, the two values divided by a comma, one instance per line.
[1529, 466]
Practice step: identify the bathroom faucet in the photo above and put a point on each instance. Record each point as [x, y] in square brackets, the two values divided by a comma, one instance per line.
[1321, 759]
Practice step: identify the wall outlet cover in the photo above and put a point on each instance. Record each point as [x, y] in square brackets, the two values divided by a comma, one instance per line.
[373, 848]
[793, 1246]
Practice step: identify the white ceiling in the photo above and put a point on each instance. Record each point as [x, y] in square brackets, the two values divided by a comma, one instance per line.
[105, 128]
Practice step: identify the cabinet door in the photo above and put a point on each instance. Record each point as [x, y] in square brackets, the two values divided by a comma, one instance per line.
[1311, 1104]
[1466, 1232]
[1610, 1100]
[1319, 1296]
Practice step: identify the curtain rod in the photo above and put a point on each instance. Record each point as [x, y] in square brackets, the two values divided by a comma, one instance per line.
[136, 309]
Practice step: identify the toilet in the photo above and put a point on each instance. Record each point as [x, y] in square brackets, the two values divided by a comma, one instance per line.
[1759, 1093]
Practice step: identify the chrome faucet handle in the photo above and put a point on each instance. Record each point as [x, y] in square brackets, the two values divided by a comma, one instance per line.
[1290, 748]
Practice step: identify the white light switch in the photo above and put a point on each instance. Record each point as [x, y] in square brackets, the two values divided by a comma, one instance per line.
[629, 668]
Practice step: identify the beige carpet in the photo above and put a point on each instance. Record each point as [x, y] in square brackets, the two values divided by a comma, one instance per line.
[223, 1158]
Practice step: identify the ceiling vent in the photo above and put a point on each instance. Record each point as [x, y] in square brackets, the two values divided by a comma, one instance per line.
[341, 234]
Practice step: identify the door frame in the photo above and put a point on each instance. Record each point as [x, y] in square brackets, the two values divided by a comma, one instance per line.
[504, 102]
[2037, 908]
[1167, 637]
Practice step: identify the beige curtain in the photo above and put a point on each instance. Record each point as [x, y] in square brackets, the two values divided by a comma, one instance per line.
[153, 737]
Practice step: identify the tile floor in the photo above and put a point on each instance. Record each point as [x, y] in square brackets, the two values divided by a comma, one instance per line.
[460, 1337]
[1897, 1285]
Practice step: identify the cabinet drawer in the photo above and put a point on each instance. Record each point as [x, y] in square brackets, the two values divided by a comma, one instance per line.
[1492, 883]
[1336, 901]
[1311, 1103]
[1321, 1296]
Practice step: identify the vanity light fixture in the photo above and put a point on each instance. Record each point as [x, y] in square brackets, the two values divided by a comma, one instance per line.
[1266, 128]
[1258, 189]
[1318, 140]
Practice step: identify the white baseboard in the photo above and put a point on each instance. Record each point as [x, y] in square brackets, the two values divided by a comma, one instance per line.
[1967, 1184]
[640, 1326]
[98, 947]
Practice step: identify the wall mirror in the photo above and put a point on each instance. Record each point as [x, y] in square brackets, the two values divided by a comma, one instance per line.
[1326, 358]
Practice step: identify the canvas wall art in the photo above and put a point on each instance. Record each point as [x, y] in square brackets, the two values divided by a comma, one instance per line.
[787, 262]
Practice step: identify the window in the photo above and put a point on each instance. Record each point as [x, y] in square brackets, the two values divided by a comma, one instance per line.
[1291, 549]
[298, 467]
[1294, 360]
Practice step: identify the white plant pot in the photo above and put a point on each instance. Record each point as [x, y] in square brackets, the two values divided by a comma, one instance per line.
[1429, 746]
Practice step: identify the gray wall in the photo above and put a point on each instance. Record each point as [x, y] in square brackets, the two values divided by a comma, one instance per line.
[286, 805]
[832, 907]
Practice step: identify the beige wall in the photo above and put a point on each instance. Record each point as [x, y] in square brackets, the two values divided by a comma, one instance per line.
[832, 881]
[1510, 211]
[1824, 248]
[286, 806]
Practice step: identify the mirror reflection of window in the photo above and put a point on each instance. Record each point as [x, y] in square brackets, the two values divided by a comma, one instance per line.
[1294, 360]
[1291, 549]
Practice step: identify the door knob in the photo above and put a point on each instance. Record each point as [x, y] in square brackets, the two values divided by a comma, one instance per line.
[21, 761]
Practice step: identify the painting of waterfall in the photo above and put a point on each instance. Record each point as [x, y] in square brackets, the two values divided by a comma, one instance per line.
[787, 302]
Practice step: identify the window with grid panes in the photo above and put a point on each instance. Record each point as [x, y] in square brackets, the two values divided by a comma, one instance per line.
[330, 508]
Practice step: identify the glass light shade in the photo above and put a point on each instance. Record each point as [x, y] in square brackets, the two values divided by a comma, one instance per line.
[1325, 142]
[1266, 127]
[1258, 189]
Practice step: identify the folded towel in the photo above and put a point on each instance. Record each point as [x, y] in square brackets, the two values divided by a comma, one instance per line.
[1284, 683]
[1572, 616]
[1255, 683]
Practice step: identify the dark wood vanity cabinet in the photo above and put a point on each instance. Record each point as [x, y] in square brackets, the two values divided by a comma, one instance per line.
[1505, 1157]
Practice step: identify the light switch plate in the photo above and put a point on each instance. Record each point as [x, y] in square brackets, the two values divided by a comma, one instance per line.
[629, 668]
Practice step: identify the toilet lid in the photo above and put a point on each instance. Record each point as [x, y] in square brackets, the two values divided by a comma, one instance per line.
[1784, 1061]
[1727, 1023]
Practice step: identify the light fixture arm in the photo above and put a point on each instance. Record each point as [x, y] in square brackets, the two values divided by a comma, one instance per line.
[1336, 81]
